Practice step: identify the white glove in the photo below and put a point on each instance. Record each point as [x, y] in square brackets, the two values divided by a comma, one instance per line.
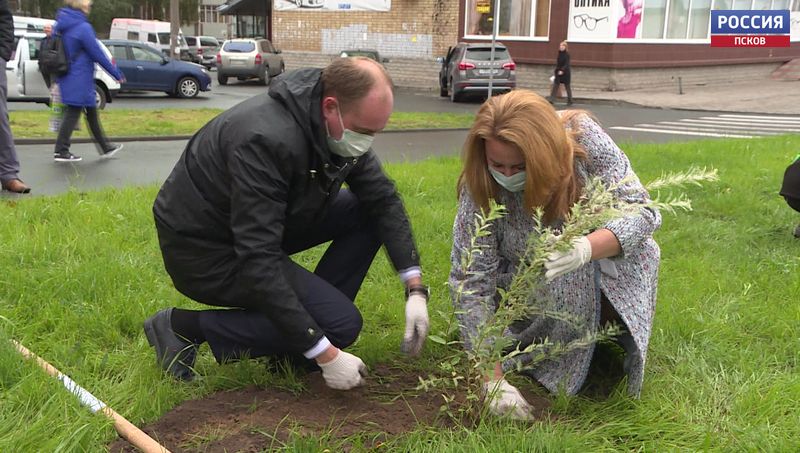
[344, 372]
[559, 263]
[504, 399]
[416, 324]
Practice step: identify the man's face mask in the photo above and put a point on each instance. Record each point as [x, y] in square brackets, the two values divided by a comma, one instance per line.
[352, 144]
[513, 183]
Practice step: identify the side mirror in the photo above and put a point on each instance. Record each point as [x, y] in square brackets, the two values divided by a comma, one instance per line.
[164, 60]
[385, 60]
[440, 60]
[278, 51]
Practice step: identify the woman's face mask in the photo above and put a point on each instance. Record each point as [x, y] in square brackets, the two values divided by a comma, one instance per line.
[352, 144]
[513, 183]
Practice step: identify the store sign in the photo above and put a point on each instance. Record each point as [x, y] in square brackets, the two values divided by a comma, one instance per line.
[745, 28]
[602, 20]
[482, 6]
[590, 20]
[333, 5]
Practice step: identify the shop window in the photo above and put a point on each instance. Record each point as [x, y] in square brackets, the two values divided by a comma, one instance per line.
[689, 19]
[516, 18]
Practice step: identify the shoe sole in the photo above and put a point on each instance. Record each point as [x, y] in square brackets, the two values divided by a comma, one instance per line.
[111, 153]
[152, 339]
[60, 159]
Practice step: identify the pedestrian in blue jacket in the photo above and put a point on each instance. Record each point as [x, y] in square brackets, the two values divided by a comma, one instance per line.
[77, 85]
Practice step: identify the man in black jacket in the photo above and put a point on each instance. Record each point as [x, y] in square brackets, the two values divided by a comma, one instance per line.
[263, 181]
[9, 163]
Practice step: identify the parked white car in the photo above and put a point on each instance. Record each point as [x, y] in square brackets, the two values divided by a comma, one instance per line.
[26, 83]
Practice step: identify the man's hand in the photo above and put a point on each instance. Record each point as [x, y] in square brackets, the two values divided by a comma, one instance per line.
[344, 372]
[504, 399]
[416, 323]
[560, 263]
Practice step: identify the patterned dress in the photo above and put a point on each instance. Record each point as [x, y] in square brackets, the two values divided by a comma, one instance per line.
[628, 280]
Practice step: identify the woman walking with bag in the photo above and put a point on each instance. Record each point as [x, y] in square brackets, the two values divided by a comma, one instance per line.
[77, 85]
[562, 74]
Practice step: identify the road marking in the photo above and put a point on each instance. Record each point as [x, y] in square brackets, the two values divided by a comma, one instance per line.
[674, 132]
[724, 125]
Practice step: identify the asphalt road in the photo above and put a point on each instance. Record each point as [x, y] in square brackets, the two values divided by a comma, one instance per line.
[149, 162]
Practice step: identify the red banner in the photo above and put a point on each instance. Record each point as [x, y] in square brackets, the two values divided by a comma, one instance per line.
[749, 40]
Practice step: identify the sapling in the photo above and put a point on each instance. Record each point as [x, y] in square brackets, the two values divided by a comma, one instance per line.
[465, 369]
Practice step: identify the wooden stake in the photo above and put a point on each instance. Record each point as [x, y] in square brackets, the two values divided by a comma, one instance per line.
[126, 429]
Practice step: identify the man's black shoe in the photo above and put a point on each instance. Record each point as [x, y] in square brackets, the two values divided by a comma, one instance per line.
[174, 354]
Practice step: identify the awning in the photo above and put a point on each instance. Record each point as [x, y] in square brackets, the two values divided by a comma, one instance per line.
[245, 7]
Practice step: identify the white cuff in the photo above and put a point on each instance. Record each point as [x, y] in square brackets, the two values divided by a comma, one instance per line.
[318, 348]
[408, 274]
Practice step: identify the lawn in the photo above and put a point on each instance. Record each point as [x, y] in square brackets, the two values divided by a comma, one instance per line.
[83, 270]
[160, 122]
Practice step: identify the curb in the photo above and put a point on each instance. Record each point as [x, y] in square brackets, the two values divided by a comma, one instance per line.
[169, 138]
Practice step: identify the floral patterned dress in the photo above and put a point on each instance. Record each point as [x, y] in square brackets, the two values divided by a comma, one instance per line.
[628, 280]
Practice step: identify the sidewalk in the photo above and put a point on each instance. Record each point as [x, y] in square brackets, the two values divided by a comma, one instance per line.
[761, 96]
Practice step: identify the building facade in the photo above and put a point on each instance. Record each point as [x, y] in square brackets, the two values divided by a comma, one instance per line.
[614, 44]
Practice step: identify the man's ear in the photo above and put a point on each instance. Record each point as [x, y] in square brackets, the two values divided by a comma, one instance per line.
[329, 104]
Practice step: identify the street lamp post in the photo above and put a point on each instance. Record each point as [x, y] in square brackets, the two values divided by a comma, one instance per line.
[495, 30]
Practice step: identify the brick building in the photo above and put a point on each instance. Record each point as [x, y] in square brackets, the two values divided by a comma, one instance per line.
[614, 44]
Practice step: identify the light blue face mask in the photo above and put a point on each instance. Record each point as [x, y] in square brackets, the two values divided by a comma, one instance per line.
[352, 144]
[513, 183]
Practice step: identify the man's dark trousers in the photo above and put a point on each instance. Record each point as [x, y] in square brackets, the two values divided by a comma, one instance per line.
[327, 293]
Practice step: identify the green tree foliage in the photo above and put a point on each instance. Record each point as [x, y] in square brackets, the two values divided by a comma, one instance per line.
[104, 12]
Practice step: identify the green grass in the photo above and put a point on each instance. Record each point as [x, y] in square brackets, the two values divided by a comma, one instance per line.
[136, 123]
[81, 272]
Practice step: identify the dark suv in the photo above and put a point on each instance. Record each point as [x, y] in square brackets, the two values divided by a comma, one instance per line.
[468, 67]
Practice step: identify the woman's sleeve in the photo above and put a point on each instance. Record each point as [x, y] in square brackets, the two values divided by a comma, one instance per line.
[607, 161]
[472, 287]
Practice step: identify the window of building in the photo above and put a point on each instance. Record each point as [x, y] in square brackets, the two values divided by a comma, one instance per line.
[690, 19]
[516, 18]
[209, 13]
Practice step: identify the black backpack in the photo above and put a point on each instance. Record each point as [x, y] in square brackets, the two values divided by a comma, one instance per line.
[53, 57]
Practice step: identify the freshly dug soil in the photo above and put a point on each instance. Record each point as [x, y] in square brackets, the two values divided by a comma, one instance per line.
[258, 419]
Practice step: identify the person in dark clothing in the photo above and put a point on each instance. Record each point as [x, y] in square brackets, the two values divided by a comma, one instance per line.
[562, 74]
[9, 162]
[263, 181]
[77, 85]
[48, 32]
[790, 190]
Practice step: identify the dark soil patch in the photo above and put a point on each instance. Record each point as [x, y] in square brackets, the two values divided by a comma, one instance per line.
[258, 419]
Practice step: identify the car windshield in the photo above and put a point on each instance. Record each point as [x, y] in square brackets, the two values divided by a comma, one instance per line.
[239, 47]
[485, 53]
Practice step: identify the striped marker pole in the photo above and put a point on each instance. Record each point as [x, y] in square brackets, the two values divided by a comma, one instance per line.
[126, 429]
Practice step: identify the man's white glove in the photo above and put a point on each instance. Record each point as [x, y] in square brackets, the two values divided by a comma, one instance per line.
[559, 263]
[504, 399]
[416, 324]
[344, 372]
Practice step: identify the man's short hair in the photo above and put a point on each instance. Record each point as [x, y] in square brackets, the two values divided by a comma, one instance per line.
[351, 78]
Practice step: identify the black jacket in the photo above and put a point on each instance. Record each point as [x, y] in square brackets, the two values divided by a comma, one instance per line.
[257, 170]
[6, 31]
[562, 64]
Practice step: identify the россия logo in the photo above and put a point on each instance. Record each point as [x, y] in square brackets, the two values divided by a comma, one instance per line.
[746, 28]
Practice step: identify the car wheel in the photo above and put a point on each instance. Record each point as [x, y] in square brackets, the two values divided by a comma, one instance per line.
[221, 79]
[454, 95]
[264, 76]
[188, 87]
[99, 97]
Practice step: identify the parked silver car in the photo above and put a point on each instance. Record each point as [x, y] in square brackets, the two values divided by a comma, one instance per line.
[248, 58]
[468, 66]
[203, 49]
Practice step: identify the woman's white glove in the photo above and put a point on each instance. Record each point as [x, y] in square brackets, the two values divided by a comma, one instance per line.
[560, 263]
[416, 324]
[344, 372]
[504, 399]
